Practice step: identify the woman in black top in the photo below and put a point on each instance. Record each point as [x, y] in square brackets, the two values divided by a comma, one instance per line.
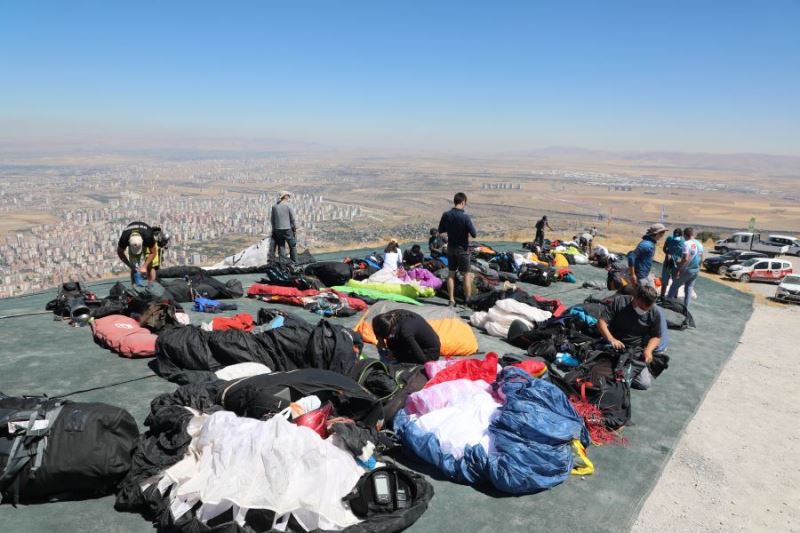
[407, 336]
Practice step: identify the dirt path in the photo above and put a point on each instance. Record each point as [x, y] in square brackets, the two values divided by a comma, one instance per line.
[736, 468]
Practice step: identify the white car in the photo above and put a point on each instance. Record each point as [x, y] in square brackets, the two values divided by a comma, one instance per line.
[760, 270]
[789, 289]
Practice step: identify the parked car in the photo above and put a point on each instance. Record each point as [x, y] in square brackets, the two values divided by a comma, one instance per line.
[792, 242]
[760, 270]
[721, 263]
[789, 289]
[751, 242]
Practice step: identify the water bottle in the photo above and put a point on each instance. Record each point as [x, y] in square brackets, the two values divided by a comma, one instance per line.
[566, 359]
[138, 280]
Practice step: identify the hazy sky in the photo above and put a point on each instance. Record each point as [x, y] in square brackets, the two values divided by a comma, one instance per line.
[720, 76]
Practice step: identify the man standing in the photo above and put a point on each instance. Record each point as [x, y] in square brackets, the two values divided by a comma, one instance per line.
[640, 260]
[459, 227]
[634, 322]
[540, 225]
[673, 252]
[688, 267]
[142, 258]
[283, 226]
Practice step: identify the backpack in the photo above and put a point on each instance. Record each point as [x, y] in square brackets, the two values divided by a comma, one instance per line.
[392, 384]
[602, 380]
[51, 447]
[536, 275]
[71, 300]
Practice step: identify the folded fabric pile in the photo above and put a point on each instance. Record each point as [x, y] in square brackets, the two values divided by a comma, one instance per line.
[500, 317]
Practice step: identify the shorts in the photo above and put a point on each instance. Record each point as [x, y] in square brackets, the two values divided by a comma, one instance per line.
[458, 259]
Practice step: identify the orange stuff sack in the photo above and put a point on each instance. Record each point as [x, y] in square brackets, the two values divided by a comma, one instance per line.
[560, 261]
[125, 336]
[455, 335]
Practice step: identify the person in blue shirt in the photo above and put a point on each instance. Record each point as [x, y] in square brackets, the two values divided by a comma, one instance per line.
[688, 267]
[673, 252]
[459, 227]
[640, 260]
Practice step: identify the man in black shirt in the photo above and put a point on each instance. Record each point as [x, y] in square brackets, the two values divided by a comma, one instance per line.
[540, 225]
[437, 244]
[459, 227]
[139, 241]
[636, 322]
[414, 257]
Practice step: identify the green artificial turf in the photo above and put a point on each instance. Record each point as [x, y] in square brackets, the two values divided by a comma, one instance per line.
[40, 355]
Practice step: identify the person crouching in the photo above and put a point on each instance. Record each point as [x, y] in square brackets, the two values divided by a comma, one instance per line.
[405, 337]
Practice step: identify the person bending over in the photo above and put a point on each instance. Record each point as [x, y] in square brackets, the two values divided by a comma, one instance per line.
[142, 251]
[459, 227]
[634, 322]
[406, 336]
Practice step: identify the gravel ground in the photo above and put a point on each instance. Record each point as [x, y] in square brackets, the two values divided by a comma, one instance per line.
[736, 469]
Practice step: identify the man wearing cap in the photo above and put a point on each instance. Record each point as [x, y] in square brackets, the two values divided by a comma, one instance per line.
[641, 259]
[142, 249]
[283, 226]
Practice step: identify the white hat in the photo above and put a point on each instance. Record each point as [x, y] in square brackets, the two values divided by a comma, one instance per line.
[284, 194]
[135, 244]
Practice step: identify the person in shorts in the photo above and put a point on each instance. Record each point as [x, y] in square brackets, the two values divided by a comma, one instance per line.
[459, 228]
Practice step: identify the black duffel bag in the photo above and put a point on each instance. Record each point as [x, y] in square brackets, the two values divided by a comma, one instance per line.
[330, 273]
[57, 449]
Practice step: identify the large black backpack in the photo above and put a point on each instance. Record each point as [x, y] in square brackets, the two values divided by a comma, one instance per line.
[330, 273]
[392, 384]
[536, 275]
[602, 380]
[52, 448]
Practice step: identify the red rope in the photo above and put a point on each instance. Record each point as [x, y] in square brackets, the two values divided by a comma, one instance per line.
[593, 418]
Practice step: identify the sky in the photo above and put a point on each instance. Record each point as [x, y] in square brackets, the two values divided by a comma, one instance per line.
[696, 76]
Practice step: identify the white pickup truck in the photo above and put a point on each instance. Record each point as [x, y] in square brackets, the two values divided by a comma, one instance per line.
[749, 241]
[792, 242]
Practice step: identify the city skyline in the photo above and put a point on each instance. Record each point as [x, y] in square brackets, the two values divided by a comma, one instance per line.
[620, 76]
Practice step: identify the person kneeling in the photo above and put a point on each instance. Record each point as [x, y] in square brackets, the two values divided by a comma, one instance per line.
[406, 337]
[634, 322]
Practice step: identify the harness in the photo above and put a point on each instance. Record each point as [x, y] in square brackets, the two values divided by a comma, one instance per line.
[32, 427]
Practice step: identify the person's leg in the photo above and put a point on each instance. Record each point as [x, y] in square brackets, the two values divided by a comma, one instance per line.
[465, 270]
[665, 276]
[677, 280]
[281, 244]
[273, 248]
[451, 286]
[643, 381]
[292, 242]
[688, 288]
[467, 286]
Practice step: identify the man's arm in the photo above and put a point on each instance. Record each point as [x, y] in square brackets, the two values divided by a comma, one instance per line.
[471, 228]
[414, 347]
[291, 220]
[443, 224]
[632, 266]
[652, 344]
[149, 260]
[123, 257]
[548, 226]
[602, 325]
